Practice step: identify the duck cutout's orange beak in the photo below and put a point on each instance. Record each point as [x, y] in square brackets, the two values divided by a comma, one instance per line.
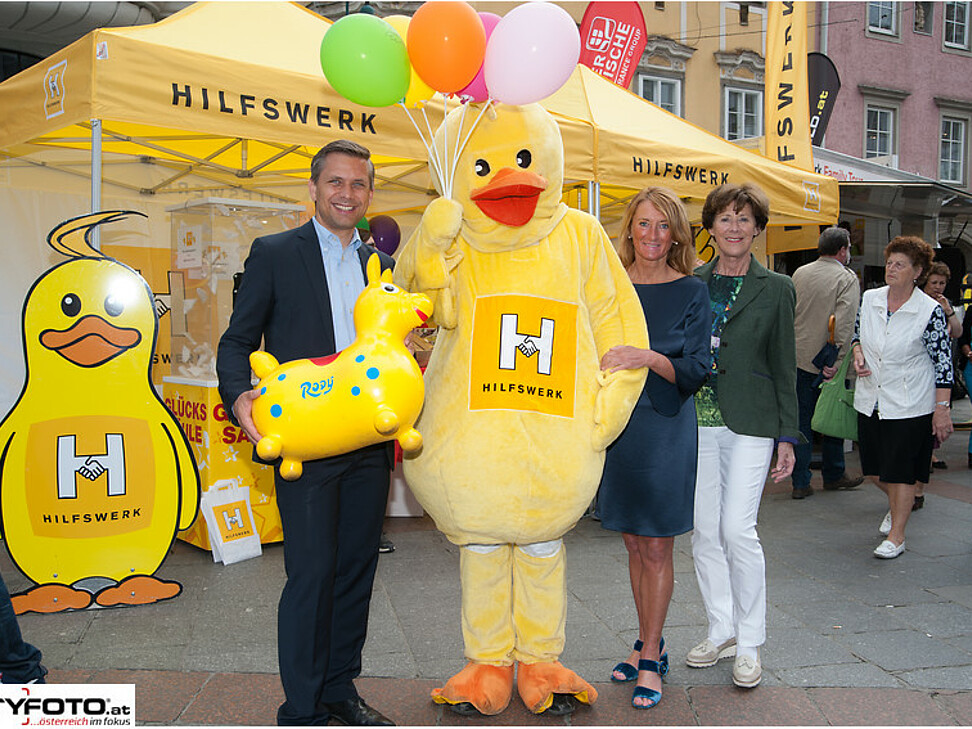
[422, 315]
[90, 341]
[511, 196]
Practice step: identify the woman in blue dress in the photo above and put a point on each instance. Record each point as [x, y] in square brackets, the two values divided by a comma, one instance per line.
[648, 488]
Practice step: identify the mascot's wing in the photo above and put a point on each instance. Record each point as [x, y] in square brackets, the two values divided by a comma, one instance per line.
[430, 257]
[73, 237]
[616, 318]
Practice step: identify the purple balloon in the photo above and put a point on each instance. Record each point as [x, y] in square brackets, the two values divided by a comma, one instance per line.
[386, 233]
[476, 89]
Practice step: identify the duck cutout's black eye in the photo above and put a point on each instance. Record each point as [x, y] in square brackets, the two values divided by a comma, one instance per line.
[389, 288]
[482, 167]
[71, 304]
[113, 306]
[524, 158]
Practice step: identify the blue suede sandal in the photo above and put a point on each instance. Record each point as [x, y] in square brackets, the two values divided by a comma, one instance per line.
[629, 672]
[643, 692]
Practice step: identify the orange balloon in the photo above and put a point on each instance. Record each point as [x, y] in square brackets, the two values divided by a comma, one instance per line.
[446, 43]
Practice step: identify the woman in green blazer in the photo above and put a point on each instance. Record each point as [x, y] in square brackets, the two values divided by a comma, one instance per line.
[747, 406]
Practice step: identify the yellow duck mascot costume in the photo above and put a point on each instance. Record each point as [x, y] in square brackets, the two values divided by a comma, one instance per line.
[529, 295]
[95, 475]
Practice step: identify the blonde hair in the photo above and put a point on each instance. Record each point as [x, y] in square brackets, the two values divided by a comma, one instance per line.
[681, 255]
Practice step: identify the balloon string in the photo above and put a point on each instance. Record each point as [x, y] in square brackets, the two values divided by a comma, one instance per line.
[460, 148]
[445, 143]
[455, 156]
[428, 147]
[433, 150]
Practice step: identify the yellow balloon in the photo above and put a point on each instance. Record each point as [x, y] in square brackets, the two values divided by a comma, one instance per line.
[365, 394]
[418, 91]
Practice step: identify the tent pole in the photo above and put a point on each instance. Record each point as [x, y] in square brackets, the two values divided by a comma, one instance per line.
[594, 199]
[95, 177]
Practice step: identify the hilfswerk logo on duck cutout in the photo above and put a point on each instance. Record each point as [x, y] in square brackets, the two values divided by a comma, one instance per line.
[523, 355]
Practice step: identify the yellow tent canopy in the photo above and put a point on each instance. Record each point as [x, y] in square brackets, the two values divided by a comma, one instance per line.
[232, 94]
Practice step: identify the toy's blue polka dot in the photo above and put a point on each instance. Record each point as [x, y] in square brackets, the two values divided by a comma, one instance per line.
[355, 390]
[276, 410]
[263, 390]
[282, 377]
[359, 358]
[372, 373]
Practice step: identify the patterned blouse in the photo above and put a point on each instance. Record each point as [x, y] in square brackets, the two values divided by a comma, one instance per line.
[723, 291]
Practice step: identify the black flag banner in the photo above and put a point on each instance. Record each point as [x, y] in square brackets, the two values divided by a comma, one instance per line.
[824, 84]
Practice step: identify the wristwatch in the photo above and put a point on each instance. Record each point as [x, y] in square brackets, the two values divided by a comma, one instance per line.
[944, 403]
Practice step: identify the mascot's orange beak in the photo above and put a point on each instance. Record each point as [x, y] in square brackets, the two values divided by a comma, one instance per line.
[511, 196]
[90, 341]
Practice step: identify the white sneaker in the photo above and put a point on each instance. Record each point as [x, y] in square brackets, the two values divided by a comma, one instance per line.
[885, 527]
[747, 671]
[707, 653]
[888, 549]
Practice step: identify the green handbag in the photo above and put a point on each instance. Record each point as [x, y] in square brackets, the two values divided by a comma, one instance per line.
[834, 413]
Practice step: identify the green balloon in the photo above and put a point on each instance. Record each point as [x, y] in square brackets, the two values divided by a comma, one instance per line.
[365, 60]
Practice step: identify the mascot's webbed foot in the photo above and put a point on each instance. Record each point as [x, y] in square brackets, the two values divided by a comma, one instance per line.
[552, 688]
[138, 590]
[477, 688]
[50, 599]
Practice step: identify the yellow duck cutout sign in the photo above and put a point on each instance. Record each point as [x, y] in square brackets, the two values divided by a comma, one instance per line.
[529, 295]
[374, 388]
[96, 476]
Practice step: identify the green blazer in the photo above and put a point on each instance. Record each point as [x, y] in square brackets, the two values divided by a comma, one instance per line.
[757, 356]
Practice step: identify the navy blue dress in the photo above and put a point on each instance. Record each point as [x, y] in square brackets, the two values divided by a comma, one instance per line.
[648, 486]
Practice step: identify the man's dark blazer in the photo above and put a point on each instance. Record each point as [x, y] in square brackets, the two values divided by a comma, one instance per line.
[757, 356]
[283, 299]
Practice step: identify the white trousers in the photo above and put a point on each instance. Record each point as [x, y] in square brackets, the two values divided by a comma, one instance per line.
[728, 557]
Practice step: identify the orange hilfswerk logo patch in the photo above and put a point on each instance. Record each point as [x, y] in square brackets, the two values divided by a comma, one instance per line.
[233, 520]
[524, 355]
[54, 90]
[90, 476]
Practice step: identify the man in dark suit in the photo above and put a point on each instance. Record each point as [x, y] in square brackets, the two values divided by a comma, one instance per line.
[297, 294]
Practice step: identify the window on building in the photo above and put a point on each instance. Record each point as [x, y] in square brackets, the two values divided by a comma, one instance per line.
[952, 151]
[957, 25]
[879, 131]
[882, 17]
[744, 114]
[666, 92]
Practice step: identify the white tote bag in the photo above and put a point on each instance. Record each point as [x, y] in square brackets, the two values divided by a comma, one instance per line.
[229, 521]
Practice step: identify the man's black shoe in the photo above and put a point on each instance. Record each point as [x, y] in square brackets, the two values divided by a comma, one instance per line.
[385, 545]
[802, 493]
[355, 712]
[845, 483]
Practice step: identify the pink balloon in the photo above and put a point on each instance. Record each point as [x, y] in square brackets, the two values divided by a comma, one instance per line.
[531, 53]
[476, 90]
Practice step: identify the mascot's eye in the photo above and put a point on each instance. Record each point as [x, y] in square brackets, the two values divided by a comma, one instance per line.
[524, 158]
[389, 288]
[482, 167]
[113, 306]
[71, 304]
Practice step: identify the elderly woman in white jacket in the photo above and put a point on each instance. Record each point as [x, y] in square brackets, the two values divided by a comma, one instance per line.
[903, 361]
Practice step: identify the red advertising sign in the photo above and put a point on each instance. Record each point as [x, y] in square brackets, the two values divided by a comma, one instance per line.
[613, 37]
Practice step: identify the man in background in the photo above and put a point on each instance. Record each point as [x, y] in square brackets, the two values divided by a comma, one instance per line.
[823, 288]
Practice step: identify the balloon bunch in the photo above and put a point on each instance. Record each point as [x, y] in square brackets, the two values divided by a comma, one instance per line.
[450, 49]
